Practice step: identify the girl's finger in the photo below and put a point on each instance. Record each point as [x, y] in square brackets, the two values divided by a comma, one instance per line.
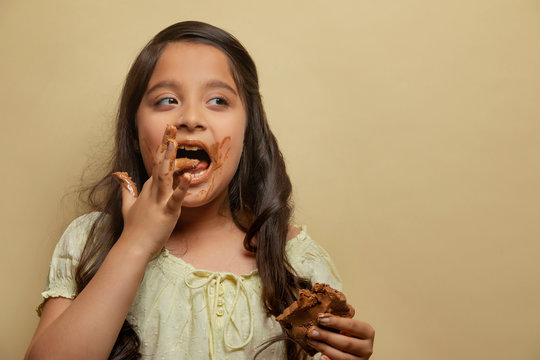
[170, 133]
[174, 204]
[167, 167]
[179, 166]
[340, 344]
[348, 326]
[164, 166]
[333, 353]
[185, 164]
[128, 188]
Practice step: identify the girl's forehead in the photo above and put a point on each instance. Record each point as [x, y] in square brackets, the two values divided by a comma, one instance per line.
[188, 63]
[191, 58]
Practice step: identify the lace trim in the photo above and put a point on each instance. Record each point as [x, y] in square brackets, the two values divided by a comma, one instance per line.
[57, 290]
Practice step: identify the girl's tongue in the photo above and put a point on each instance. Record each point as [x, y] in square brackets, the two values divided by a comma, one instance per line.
[203, 165]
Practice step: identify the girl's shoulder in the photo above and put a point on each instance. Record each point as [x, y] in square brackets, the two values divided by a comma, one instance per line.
[309, 259]
[294, 230]
[83, 223]
[74, 237]
[84, 220]
[299, 242]
[302, 247]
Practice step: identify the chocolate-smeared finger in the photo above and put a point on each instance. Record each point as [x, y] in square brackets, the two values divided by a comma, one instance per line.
[170, 133]
[127, 183]
[185, 164]
[170, 155]
[182, 165]
[175, 202]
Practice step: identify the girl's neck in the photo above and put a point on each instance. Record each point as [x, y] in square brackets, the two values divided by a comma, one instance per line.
[213, 216]
[208, 238]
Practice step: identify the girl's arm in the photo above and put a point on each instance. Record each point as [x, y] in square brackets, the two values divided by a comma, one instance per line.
[87, 327]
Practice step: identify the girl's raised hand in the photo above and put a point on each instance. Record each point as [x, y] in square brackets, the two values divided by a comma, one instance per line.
[150, 218]
[354, 340]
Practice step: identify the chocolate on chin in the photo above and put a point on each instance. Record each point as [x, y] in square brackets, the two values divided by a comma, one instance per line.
[302, 314]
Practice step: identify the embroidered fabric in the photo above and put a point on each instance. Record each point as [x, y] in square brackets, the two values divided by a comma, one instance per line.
[214, 280]
[183, 312]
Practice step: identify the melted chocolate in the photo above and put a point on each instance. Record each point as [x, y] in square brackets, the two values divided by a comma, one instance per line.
[124, 180]
[218, 154]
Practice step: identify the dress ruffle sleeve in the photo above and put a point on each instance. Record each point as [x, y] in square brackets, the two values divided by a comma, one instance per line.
[312, 262]
[66, 255]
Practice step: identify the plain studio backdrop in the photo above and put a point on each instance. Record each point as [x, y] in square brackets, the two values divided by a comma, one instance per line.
[411, 131]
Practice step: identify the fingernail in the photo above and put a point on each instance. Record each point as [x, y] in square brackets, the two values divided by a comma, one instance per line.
[324, 357]
[324, 319]
[187, 176]
[313, 343]
[170, 134]
[313, 332]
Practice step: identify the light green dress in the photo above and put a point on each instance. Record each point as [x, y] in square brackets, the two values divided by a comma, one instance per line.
[181, 312]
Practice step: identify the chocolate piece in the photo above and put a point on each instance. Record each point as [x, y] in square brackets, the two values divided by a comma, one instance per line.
[302, 314]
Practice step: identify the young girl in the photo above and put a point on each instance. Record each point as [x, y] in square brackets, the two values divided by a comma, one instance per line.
[128, 280]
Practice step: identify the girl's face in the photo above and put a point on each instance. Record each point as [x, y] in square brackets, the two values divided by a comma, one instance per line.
[192, 87]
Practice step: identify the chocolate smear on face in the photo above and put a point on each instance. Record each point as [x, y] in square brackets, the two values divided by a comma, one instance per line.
[218, 154]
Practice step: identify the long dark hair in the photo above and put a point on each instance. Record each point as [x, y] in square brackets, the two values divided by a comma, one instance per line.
[259, 193]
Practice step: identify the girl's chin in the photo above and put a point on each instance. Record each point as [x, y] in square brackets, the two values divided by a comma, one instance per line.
[192, 201]
[197, 198]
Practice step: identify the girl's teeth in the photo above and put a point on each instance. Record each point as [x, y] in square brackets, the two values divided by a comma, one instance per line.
[189, 148]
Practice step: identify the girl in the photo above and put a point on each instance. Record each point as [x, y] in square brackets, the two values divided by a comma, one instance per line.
[127, 279]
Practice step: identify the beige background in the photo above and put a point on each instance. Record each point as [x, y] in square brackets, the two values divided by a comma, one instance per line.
[411, 131]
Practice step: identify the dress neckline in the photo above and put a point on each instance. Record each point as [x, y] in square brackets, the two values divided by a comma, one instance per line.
[179, 264]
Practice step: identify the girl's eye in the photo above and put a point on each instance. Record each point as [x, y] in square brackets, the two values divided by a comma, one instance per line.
[167, 101]
[219, 101]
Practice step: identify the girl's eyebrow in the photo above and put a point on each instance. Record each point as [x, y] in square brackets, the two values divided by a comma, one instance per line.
[220, 84]
[212, 84]
[164, 84]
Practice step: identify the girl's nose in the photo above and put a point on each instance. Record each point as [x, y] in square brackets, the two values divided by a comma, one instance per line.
[191, 118]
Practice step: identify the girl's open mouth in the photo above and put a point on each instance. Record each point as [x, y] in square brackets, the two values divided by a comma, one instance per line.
[196, 153]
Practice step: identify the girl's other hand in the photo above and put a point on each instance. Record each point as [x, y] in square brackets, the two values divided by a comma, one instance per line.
[150, 218]
[354, 340]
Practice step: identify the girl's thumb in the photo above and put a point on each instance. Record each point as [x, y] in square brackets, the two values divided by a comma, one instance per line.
[129, 190]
